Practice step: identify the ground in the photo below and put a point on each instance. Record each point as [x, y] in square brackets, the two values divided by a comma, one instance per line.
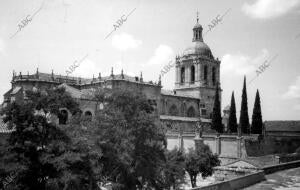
[282, 180]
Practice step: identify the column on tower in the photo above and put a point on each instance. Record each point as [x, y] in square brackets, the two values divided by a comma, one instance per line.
[197, 66]
[188, 71]
[177, 70]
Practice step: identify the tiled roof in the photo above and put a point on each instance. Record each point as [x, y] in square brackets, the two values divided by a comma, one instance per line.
[292, 126]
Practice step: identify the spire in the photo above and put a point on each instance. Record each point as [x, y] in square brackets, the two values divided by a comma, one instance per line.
[20, 75]
[99, 76]
[141, 77]
[37, 72]
[197, 17]
[52, 75]
[122, 74]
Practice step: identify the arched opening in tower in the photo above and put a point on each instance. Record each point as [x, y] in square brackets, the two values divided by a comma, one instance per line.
[182, 73]
[193, 74]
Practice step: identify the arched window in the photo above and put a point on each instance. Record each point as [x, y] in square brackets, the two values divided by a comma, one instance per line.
[88, 115]
[205, 72]
[173, 110]
[191, 112]
[63, 117]
[183, 109]
[214, 76]
[193, 74]
[182, 74]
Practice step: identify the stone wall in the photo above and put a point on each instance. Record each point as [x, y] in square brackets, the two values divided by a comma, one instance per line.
[236, 183]
[226, 146]
[271, 145]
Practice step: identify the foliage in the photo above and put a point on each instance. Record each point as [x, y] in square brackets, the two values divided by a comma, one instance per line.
[174, 170]
[257, 123]
[216, 115]
[200, 160]
[41, 153]
[132, 143]
[244, 118]
[232, 121]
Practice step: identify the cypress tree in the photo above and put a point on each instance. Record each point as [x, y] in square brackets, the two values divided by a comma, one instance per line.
[232, 121]
[244, 118]
[257, 123]
[216, 116]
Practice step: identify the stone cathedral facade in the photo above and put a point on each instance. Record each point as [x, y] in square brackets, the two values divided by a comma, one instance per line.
[179, 110]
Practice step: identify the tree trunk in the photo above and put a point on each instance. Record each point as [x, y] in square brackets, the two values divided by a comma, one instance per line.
[193, 180]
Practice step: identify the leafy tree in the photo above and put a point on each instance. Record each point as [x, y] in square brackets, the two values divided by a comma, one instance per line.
[257, 123]
[132, 143]
[174, 170]
[200, 160]
[232, 121]
[216, 115]
[41, 154]
[244, 118]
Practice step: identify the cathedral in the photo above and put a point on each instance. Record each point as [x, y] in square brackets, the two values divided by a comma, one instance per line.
[179, 111]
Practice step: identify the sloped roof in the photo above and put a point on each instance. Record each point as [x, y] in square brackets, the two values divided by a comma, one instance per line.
[74, 92]
[178, 118]
[292, 126]
[16, 90]
[242, 164]
[171, 93]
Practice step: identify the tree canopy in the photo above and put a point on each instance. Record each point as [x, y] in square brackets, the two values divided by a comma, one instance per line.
[257, 123]
[232, 121]
[200, 161]
[244, 117]
[216, 122]
[41, 154]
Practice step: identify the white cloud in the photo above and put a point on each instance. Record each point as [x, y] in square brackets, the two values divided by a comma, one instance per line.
[2, 46]
[293, 91]
[125, 41]
[162, 55]
[86, 69]
[297, 107]
[242, 64]
[264, 9]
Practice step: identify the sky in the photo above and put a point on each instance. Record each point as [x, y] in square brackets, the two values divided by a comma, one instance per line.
[53, 34]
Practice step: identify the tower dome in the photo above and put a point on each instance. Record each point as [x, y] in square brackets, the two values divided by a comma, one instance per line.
[198, 46]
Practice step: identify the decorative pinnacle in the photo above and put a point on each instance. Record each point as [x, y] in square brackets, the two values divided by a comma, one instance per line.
[122, 74]
[197, 17]
[159, 80]
[99, 76]
[112, 71]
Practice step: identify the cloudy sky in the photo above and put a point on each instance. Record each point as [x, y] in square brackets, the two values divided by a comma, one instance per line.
[252, 33]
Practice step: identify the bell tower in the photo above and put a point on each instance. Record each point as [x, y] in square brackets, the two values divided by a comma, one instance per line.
[198, 72]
